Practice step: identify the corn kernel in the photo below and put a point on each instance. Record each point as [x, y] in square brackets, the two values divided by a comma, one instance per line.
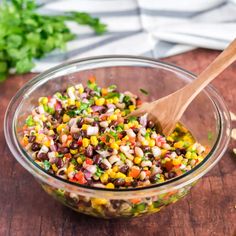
[70, 168]
[128, 179]
[104, 178]
[112, 174]
[115, 168]
[40, 138]
[169, 138]
[79, 160]
[131, 107]
[115, 146]
[178, 144]
[94, 140]
[126, 138]
[194, 155]
[47, 143]
[117, 111]
[110, 185]
[116, 100]
[137, 160]
[104, 91]
[85, 142]
[43, 100]
[60, 127]
[43, 118]
[176, 162]
[152, 143]
[81, 89]
[163, 152]
[145, 142]
[73, 152]
[112, 117]
[65, 118]
[188, 155]
[77, 103]
[98, 201]
[100, 101]
[70, 102]
[84, 127]
[126, 126]
[89, 110]
[37, 128]
[123, 113]
[50, 132]
[120, 175]
[54, 167]
[109, 101]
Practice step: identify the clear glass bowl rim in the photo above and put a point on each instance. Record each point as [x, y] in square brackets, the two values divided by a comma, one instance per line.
[191, 176]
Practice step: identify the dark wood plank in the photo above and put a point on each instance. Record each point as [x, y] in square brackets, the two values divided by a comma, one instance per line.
[208, 210]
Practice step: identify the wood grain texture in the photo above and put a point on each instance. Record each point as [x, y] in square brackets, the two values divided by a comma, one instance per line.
[210, 208]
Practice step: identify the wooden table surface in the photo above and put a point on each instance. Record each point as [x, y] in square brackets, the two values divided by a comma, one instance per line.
[210, 208]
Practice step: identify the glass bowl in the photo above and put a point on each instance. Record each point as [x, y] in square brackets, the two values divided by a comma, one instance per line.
[207, 118]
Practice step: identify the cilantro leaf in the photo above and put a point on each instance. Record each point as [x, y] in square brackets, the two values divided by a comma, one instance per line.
[26, 35]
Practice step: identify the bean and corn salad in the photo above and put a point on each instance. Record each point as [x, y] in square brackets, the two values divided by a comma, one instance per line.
[82, 135]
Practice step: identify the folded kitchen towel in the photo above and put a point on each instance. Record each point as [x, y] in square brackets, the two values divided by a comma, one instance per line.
[154, 28]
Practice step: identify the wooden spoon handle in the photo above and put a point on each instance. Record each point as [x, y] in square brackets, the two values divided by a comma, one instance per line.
[227, 57]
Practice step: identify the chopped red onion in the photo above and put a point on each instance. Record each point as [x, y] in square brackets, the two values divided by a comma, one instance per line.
[97, 108]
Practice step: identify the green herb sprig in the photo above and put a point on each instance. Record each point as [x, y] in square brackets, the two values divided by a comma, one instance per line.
[26, 35]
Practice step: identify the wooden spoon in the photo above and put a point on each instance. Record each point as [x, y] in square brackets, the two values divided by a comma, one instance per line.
[167, 111]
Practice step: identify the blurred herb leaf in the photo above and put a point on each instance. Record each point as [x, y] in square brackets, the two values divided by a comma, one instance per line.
[26, 35]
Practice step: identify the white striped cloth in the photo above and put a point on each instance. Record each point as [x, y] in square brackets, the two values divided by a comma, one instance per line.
[155, 28]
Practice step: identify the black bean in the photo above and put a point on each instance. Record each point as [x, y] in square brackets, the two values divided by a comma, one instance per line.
[63, 150]
[61, 172]
[150, 124]
[89, 151]
[102, 130]
[59, 163]
[134, 183]
[83, 133]
[80, 122]
[32, 138]
[153, 178]
[103, 166]
[136, 130]
[124, 169]
[72, 107]
[126, 121]
[97, 159]
[95, 123]
[123, 133]
[171, 175]
[119, 182]
[35, 147]
[150, 155]
[58, 115]
[98, 147]
[183, 151]
[114, 123]
[146, 149]
[178, 151]
[93, 93]
[74, 145]
[42, 156]
[110, 149]
[116, 203]
[76, 136]
[87, 90]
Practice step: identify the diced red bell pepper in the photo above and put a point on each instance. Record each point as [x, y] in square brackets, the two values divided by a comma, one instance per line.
[80, 177]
